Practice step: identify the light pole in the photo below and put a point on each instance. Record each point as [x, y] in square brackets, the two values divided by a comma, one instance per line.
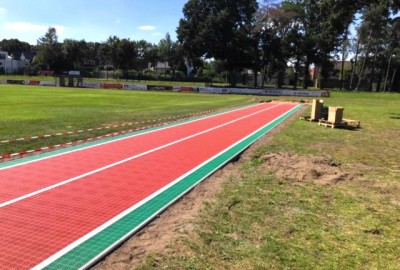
[387, 72]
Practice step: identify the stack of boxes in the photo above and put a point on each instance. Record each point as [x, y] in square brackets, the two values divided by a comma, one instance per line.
[332, 115]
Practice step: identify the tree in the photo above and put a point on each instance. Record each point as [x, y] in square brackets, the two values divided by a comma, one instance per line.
[126, 54]
[272, 29]
[372, 35]
[92, 53]
[218, 29]
[146, 53]
[119, 53]
[165, 50]
[74, 53]
[321, 22]
[171, 52]
[393, 53]
[50, 54]
[14, 45]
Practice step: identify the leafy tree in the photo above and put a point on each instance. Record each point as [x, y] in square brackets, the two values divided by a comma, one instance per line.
[165, 50]
[171, 52]
[14, 45]
[218, 29]
[321, 23]
[74, 53]
[146, 53]
[372, 35]
[272, 30]
[119, 53]
[293, 43]
[50, 52]
[393, 55]
[126, 54]
[93, 52]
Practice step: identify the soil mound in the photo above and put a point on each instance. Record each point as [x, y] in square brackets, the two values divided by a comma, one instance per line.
[298, 168]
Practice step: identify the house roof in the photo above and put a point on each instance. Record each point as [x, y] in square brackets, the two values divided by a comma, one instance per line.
[15, 55]
[29, 55]
[23, 55]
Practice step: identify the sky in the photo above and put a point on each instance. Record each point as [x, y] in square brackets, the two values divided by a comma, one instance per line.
[91, 20]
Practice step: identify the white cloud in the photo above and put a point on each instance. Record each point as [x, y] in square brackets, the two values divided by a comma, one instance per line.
[22, 26]
[60, 29]
[3, 11]
[27, 27]
[147, 28]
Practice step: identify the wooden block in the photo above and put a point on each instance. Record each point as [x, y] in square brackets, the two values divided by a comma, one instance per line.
[335, 114]
[316, 109]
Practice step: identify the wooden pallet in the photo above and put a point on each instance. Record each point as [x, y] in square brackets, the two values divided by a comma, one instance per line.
[308, 118]
[345, 123]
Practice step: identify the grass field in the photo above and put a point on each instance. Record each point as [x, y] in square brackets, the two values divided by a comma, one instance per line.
[259, 221]
[279, 223]
[30, 111]
[96, 80]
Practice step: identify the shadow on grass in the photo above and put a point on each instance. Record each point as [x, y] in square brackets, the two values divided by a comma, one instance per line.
[395, 116]
[351, 128]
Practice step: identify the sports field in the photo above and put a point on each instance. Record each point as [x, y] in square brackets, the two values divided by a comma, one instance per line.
[63, 210]
[310, 198]
[32, 111]
[262, 218]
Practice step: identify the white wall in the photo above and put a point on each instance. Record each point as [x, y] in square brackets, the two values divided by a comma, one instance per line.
[9, 65]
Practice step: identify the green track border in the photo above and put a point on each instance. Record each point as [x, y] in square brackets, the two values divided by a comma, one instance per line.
[93, 249]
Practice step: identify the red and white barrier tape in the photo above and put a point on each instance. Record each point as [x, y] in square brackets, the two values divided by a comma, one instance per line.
[29, 138]
[53, 147]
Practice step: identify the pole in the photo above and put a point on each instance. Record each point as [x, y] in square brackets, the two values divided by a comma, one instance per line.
[343, 56]
[392, 81]
[354, 65]
[387, 73]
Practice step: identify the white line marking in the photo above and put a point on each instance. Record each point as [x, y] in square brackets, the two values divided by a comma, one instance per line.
[120, 139]
[86, 237]
[29, 195]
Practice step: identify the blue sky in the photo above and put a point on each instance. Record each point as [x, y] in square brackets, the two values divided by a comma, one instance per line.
[92, 20]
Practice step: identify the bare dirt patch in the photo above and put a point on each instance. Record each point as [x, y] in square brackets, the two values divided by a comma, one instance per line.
[321, 170]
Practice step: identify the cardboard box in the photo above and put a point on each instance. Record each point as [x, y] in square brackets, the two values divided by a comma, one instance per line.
[316, 109]
[335, 115]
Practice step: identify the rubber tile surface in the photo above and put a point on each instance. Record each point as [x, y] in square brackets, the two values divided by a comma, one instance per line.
[48, 204]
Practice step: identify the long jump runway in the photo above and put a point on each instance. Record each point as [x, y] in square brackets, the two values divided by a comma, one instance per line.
[66, 209]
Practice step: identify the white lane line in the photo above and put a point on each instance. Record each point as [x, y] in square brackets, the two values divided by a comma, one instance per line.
[29, 195]
[129, 137]
[99, 229]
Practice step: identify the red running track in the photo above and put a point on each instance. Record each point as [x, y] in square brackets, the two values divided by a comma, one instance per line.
[49, 203]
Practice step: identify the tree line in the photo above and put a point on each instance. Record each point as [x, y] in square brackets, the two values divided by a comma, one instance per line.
[298, 34]
[278, 41]
[113, 54]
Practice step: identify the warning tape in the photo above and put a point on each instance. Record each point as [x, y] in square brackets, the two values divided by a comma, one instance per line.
[65, 133]
[53, 147]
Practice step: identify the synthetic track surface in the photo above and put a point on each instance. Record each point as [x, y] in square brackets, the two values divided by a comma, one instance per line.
[66, 209]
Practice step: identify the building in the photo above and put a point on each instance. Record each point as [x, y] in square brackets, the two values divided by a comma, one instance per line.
[9, 65]
[161, 67]
[24, 56]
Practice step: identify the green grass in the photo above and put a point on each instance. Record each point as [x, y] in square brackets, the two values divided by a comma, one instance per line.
[262, 222]
[258, 221]
[97, 80]
[373, 145]
[28, 111]
[23, 77]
